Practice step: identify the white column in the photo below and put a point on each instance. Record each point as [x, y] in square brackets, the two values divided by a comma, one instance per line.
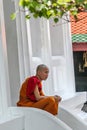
[24, 43]
[19, 42]
[69, 58]
[12, 50]
[29, 48]
[4, 75]
[46, 53]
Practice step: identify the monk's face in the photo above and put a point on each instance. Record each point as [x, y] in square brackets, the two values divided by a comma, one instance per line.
[43, 74]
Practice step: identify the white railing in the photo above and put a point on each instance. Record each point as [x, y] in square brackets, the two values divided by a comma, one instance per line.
[70, 112]
[30, 119]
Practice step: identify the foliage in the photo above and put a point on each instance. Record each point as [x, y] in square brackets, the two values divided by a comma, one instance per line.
[52, 8]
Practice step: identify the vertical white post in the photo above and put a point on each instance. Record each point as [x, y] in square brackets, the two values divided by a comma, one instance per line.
[4, 76]
[29, 46]
[46, 52]
[20, 42]
[24, 43]
[69, 58]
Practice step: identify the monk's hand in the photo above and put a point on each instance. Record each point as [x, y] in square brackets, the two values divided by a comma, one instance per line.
[57, 98]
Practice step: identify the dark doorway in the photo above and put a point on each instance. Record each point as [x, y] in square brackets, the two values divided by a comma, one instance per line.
[80, 68]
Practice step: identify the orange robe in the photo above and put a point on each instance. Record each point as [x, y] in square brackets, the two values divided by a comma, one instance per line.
[48, 104]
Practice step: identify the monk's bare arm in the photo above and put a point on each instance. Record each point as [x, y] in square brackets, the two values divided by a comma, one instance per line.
[39, 97]
[37, 94]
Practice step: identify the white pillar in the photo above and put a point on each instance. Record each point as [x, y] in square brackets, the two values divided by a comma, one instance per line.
[46, 52]
[12, 50]
[4, 75]
[24, 43]
[68, 52]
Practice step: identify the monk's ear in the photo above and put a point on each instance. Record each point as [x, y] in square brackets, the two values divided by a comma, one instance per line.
[39, 73]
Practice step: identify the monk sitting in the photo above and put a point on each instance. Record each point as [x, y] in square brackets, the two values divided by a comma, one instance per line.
[31, 94]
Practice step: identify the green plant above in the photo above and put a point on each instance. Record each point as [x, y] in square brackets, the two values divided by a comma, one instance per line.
[52, 8]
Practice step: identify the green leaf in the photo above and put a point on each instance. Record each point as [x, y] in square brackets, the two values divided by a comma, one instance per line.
[35, 15]
[13, 16]
[85, 6]
[49, 13]
[76, 18]
[63, 1]
[24, 3]
[52, 8]
[74, 12]
[21, 2]
[79, 1]
[27, 16]
[45, 1]
[56, 20]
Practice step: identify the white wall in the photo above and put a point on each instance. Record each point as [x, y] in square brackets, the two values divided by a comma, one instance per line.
[5, 99]
[11, 49]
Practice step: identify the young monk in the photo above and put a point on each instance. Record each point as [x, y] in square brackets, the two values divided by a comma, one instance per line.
[31, 94]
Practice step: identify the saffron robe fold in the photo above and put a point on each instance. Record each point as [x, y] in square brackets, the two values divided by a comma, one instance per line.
[32, 83]
[48, 104]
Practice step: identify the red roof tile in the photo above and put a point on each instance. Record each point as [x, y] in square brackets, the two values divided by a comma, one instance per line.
[79, 27]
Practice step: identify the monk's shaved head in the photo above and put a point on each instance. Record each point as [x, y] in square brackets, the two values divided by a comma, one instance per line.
[40, 67]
